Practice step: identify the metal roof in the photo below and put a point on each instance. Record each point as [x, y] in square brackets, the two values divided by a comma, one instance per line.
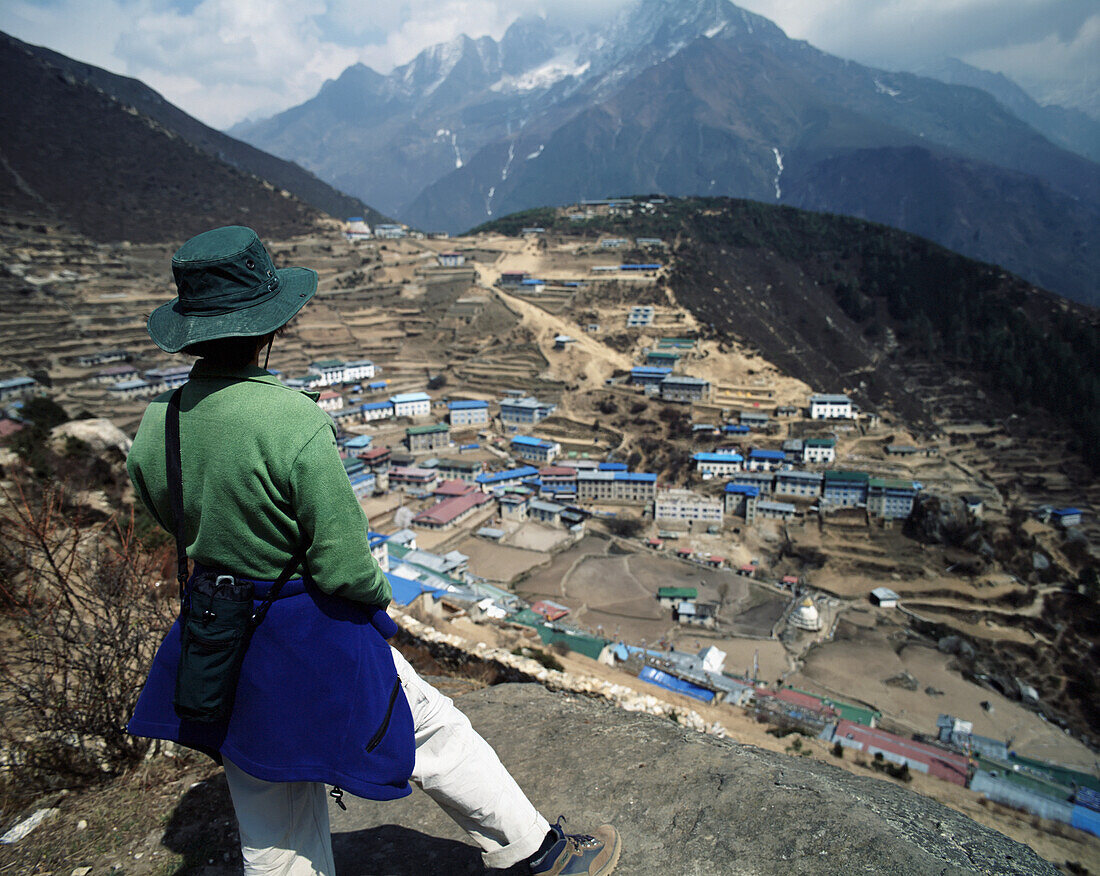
[404, 397]
[466, 405]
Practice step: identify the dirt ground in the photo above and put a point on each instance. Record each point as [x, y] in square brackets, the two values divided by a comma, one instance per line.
[533, 536]
[613, 592]
[856, 665]
[497, 562]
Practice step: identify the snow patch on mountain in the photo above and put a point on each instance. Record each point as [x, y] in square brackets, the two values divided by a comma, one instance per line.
[458, 155]
[553, 71]
[778, 171]
[537, 152]
[508, 163]
[885, 89]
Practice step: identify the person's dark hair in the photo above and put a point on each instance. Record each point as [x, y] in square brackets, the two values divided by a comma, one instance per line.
[227, 352]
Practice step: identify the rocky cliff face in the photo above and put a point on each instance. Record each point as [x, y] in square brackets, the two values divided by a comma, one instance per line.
[684, 802]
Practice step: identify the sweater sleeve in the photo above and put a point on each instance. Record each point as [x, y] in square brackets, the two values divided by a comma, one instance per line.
[333, 526]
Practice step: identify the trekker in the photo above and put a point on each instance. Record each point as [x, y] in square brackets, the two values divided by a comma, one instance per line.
[322, 698]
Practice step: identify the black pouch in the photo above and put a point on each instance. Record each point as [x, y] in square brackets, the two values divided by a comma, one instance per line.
[217, 617]
[215, 627]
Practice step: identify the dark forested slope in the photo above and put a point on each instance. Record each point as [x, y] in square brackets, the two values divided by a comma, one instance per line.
[71, 153]
[850, 305]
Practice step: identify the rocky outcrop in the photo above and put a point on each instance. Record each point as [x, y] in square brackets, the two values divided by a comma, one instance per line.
[100, 435]
[685, 802]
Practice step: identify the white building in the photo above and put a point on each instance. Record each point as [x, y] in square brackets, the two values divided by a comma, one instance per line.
[330, 401]
[451, 259]
[831, 407]
[377, 411]
[718, 463]
[684, 506]
[17, 387]
[332, 371]
[358, 369]
[411, 404]
[640, 315]
[819, 450]
[357, 229]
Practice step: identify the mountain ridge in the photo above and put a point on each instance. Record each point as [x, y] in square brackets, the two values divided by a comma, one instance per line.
[449, 151]
[131, 92]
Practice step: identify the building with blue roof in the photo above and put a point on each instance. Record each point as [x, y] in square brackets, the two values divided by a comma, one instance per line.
[613, 466]
[735, 429]
[643, 375]
[380, 410]
[718, 463]
[512, 477]
[405, 590]
[741, 500]
[1066, 517]
[363, 483]
[535, 449]
[358, 442]
[468, 412]
[411, 404]
[765, 460]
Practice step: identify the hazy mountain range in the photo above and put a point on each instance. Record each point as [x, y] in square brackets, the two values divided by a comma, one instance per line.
[702, 97]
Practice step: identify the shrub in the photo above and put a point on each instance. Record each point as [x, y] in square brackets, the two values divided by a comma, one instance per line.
[87, 622]
[838, 750]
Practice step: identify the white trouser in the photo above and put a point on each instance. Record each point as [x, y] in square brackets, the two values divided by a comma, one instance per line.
[284, 825]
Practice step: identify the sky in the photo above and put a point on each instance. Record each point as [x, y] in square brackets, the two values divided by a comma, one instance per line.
[227, 60]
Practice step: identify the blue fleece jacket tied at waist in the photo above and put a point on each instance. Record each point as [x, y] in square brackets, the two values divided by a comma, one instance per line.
[318, 699]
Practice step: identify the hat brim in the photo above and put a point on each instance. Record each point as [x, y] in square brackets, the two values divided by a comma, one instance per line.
[172, 330]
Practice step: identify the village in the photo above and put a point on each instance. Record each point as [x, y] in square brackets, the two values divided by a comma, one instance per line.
[550, 455]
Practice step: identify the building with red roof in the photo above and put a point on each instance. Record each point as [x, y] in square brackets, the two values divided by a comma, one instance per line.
[552, 611]
[453, 488]
[445, 514]
[921, 758]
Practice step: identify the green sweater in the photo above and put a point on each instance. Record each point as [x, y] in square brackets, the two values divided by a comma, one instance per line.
[261, 479]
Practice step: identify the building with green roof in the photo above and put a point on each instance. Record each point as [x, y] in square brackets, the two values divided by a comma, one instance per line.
[669, 596]
[431, 437]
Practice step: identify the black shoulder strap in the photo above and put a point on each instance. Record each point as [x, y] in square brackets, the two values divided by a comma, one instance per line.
[174, 468]
[175, 499]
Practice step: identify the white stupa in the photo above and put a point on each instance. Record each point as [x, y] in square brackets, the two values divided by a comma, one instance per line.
[806, 616]
[357, 229]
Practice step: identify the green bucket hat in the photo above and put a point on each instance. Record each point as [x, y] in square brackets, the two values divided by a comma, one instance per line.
[228, 288]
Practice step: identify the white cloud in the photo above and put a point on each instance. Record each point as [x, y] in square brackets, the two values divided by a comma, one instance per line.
[225, 60]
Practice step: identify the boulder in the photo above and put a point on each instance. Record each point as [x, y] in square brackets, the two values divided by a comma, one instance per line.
[100, 435]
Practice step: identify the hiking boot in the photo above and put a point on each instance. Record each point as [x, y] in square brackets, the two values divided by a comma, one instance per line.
[574, 854]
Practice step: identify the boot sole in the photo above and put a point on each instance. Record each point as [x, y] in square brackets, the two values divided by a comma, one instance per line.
[613, 863]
